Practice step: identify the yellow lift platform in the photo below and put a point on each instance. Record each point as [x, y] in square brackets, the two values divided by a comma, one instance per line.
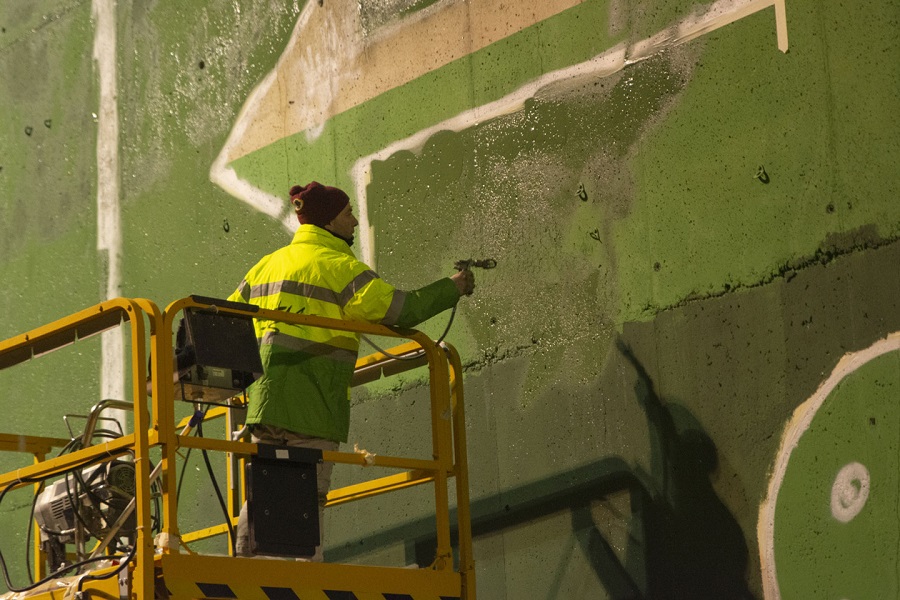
[162, 565]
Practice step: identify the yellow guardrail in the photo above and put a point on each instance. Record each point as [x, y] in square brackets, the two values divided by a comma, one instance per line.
[155, 426]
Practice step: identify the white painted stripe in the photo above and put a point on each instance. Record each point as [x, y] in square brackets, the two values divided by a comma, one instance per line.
[796, 427]
[221, 174]
[225, 177]
[109, 231]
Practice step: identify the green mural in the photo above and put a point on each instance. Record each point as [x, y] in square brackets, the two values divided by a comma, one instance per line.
[691, 229]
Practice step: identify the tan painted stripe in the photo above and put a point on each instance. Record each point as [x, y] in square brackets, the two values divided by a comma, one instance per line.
[329, 68]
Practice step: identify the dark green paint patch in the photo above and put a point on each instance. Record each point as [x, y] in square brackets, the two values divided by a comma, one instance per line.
[834, 247]
[721, 368]
[507, 188]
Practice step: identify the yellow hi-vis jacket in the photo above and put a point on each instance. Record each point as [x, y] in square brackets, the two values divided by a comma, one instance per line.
[306, 385]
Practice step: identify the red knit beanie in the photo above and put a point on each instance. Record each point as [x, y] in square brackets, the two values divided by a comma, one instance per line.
[317, 204]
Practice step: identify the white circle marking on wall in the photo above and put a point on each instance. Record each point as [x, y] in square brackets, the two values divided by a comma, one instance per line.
[849, 492]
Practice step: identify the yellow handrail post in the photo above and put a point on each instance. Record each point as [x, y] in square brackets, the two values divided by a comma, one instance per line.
[164, 401]
[463, 509]
[40, 569]
[154, 316]
[143, 567]
[442, 448]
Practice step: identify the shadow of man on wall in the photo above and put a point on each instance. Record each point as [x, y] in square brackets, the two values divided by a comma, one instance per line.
[694, 549]
[680, 542]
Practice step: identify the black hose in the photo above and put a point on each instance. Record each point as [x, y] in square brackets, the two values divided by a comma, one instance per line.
[37, 494]
[73, 445]
[184, 465]
[122, 564]
[73, 500]
[419, 352]
[197, 418]
[221, 498]
[55, 574]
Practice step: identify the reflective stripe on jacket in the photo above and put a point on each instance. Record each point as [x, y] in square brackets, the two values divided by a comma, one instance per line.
[306, 386]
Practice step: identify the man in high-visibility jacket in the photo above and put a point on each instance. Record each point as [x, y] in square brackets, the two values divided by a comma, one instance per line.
[303, 399]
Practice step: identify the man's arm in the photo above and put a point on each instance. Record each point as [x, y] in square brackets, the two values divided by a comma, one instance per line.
[408, 309]
[422, 304]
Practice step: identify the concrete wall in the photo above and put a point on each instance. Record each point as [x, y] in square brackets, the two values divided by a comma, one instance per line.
[692, 228]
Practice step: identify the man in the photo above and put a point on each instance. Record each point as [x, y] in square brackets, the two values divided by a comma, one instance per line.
[304, 397]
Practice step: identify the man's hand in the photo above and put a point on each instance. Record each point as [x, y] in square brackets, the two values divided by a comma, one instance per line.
[465, 282]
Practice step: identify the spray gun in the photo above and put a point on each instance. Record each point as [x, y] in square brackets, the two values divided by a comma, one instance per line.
[460, 265]
[467, 264]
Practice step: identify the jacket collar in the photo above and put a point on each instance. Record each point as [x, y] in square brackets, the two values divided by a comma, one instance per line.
[313, 234]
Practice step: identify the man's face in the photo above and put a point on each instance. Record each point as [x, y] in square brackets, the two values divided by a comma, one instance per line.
[344, 224]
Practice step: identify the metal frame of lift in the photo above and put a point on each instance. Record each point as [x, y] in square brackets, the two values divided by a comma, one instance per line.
[191, 575]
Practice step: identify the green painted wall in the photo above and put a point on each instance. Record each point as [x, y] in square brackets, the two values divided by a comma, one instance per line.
[657, 315]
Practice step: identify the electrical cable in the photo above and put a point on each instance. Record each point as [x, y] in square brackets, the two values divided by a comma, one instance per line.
[37, 494]
[197, 417]
[184, 465]
[74, 504]
[76, 444]
[122, 564]
[155, 519]
[76, 471]
[77, 474]
[215, 484]
[56, 574]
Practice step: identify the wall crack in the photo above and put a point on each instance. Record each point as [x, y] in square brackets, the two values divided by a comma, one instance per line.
[787, 271]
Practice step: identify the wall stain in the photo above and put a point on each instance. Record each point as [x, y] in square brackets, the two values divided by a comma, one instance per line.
[503, 188]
